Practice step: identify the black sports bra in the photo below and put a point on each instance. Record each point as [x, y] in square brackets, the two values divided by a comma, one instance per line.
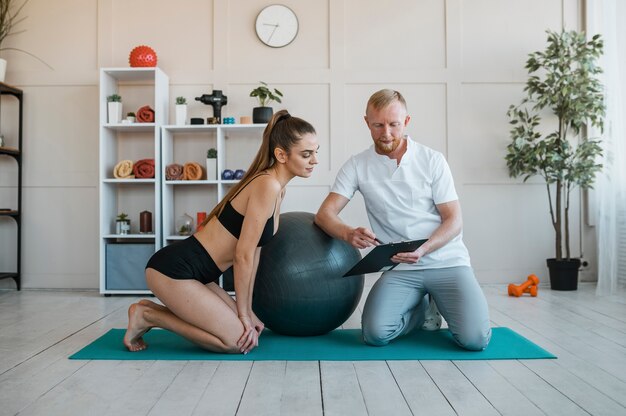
[233, 220]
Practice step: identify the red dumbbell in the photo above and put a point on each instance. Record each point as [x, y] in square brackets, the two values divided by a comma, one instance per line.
[529, 286]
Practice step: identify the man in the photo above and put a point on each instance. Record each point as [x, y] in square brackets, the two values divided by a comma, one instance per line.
[409, 194]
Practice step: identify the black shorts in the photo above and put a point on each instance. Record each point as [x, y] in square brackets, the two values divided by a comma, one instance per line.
[186, 259]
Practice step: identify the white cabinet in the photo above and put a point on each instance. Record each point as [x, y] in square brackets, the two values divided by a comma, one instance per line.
[138, 87]
[236, 145]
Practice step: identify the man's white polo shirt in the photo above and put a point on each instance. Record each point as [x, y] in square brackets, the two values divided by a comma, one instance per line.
[400, 200]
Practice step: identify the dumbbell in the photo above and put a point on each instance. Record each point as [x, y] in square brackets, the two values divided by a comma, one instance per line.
[530, 286]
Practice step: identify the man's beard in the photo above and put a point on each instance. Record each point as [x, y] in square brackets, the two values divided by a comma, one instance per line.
[386, 148]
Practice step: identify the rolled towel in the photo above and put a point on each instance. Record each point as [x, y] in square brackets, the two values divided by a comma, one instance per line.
[192, 171]
[145, 114]
[174, 172]
[144, 169]
[123, 170]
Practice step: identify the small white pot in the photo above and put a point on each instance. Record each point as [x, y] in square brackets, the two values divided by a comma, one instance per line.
[181, 114]
[3, 69]
[211, 169]
[115, 112]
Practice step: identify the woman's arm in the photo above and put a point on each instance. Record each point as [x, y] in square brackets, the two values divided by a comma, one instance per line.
[259, 207]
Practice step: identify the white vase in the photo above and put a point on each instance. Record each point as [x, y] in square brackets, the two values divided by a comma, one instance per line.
[211, 169]
[3, 69]
[181, 114]
[115, 112]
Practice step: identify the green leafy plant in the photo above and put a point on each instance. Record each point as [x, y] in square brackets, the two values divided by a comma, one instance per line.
[9, 18]
[563, 79]
[130, 114]
[181, 100]
[122, 217]
[114, 98]
[265, 95]
[211, 153]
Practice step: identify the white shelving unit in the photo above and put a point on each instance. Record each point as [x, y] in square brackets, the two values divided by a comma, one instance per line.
[138, 87]
[236, 146]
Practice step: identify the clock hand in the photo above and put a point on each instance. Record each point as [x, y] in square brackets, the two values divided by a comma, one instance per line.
[272, 34]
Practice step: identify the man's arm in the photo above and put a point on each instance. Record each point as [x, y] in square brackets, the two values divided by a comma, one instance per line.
[327, 218]
[451, 226]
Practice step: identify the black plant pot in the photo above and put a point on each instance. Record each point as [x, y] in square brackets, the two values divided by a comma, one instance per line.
[262, 114]
[563, 274]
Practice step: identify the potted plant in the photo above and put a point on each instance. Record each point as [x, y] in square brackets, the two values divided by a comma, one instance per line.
[114, 106]
[122, 224]
[8, 19]
[181, 111]
[211, 164]
[564, 80]
[265, 95]
[131, 117]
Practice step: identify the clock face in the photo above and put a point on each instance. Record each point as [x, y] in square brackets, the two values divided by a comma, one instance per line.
[276, 25]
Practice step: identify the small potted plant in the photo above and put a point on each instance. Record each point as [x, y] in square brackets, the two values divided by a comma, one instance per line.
[211, 164]
[122, 224]
[563, 80]
[181, 111]
[265, 95]
[114, 106]
[131, 117]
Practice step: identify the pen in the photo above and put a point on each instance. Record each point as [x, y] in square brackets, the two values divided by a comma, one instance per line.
[378, 241]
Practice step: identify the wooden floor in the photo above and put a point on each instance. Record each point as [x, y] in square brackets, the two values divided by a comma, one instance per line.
[40, 329]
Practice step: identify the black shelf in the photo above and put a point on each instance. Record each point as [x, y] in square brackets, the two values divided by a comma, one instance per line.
[15, 214]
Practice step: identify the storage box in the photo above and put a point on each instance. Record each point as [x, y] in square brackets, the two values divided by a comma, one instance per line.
[126, 264]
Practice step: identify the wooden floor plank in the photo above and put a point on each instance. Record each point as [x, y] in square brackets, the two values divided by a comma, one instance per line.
[459, 392]
[585, 370]
[182, 396]
[381, 393]
[341, 391]
[223, 393]
[302, 393]
[502, 395]
[264, 390]
[545, 396]
[420, 393]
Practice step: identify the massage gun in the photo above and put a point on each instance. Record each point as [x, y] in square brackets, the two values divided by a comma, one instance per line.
[216, 100]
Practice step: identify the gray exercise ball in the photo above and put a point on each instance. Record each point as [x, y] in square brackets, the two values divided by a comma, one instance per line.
[300, 289]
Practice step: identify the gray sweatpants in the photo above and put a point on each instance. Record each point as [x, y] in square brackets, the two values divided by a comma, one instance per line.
[397, 304]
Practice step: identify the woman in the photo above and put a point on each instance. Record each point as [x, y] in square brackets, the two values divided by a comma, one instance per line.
[183, 275]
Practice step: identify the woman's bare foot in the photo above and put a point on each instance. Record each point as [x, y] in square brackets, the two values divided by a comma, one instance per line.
[137, 326]
[153, 305]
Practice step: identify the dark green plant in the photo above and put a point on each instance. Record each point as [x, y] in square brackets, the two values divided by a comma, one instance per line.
[181, 100]
[122, 217]
[211, 153]
[265, 95]
[130, 114]
[563, 79]
[114, 98]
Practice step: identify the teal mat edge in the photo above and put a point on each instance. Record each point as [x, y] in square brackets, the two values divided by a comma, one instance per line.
[338, 345]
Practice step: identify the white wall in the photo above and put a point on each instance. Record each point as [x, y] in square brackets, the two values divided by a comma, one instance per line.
[458, 63]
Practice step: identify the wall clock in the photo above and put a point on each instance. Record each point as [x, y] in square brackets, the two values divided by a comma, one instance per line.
[276, 25]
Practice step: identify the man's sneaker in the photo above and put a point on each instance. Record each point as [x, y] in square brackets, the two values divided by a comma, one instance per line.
[433, 317]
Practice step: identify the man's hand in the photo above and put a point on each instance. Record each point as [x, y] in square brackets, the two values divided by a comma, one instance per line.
[361, 237]
[411, 257]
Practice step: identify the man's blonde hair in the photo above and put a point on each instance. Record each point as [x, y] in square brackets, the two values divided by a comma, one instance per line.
[381, 99]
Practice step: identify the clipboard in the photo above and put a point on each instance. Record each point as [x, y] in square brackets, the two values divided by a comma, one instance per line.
[380, 257]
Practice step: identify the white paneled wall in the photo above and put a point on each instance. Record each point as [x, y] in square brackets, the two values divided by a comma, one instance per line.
[458, 63]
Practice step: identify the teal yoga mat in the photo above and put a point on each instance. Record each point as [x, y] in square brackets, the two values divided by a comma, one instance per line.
[338, 345]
